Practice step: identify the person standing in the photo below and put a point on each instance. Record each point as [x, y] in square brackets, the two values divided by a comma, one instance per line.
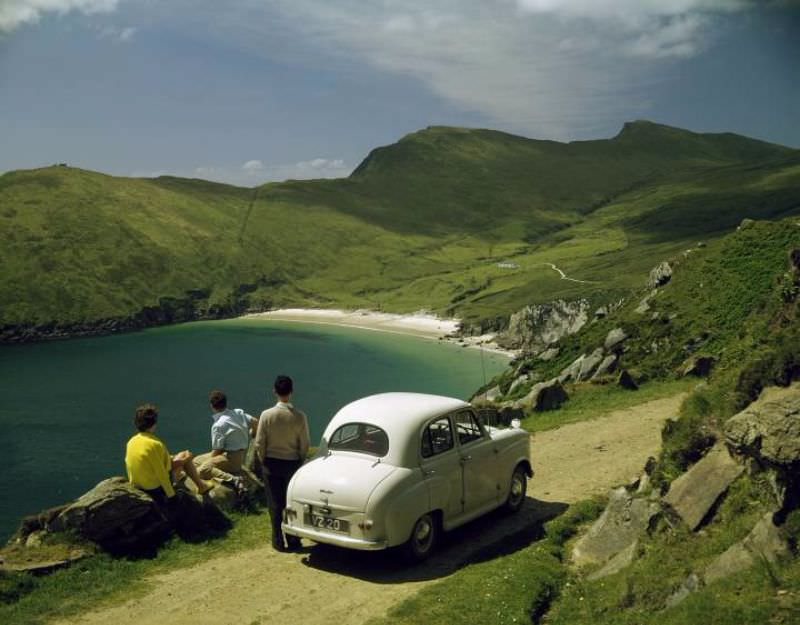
[149, 464]
[231, 431]
[282, 443]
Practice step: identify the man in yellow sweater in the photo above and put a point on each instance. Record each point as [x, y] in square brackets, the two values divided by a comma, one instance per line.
[149, 463]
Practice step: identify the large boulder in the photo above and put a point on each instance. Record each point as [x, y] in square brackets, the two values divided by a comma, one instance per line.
[764, 542]
[607, 366]
[544, 396]
[698, 366]
[619, 527]
[117, 516]
[695, 492]
[659, 275]
[769, 428]
[614, 339]
[626, 381]
[589, 365]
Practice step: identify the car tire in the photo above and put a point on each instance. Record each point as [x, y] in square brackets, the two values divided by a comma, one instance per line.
[516, 490]
[424, 536]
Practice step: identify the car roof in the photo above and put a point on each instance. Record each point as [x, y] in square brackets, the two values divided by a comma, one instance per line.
[401, 415]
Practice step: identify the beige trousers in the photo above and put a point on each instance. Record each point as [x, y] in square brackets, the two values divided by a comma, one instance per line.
[223, 467]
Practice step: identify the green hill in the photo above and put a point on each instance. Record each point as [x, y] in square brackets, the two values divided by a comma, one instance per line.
[422, 223]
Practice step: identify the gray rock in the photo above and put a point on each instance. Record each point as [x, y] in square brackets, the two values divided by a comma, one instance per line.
[619, 562]
[517, 383]
[548, 354]
[544, 396]
[660, 275]
[625, 380]
[589, 365]
[493, 394]
[698, 366]
[614, 339]
[695, 492]
[117, 516]
[601, 312]
[764, 541]
[620, 525]
[644, 305]
[607, 366]
[769, 428]
[687, 587]
[571, 372]
[536, 327]
[745, 224]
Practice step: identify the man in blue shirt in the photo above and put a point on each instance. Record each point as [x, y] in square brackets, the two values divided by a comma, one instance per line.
[231, 431]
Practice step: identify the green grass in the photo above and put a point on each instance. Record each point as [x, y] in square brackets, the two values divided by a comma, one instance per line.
[506, 590]
[101, 579]
[421, 223]
[594, 401]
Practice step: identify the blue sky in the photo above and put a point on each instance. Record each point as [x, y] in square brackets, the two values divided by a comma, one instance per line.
[247, 91]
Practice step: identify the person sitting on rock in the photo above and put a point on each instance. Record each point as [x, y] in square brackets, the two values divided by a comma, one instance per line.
[231, 431]
[150, 466]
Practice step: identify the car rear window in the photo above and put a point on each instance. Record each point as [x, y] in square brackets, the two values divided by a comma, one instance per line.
[360, 437]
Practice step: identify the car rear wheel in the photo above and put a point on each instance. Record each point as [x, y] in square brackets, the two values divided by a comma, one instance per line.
[517, 488]
[423, 538]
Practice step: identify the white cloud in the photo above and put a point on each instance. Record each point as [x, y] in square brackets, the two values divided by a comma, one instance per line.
[253, 167]
[15, 13]
[554, 68]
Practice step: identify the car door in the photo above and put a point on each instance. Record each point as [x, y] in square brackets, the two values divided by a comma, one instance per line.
[440, 462]
[478, 457]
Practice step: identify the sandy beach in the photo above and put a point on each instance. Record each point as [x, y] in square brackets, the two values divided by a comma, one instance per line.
[420, 324]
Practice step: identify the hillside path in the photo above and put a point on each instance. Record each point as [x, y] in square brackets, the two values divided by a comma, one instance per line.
[324, 585]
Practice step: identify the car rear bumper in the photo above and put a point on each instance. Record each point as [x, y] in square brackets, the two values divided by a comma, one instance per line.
[329, 538]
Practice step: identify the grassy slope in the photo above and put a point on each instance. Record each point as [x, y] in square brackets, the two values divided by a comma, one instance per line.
[421, 223]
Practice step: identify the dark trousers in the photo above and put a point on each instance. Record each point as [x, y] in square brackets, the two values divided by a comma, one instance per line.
[277, 474]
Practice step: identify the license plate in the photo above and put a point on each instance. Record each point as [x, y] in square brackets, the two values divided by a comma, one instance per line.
[327, 523]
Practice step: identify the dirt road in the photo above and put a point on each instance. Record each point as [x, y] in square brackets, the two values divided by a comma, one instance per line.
[326, 585]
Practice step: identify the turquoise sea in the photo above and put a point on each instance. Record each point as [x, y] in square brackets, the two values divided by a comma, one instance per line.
[66, 407]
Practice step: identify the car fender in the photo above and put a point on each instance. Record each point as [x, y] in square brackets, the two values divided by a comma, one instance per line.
[396, 504]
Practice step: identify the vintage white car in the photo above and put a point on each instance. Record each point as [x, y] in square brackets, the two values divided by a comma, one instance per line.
[397, 468]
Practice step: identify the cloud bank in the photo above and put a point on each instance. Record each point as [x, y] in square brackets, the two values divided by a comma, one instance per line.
[15, 13]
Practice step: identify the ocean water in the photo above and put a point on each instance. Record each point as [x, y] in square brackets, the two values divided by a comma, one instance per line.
[66, 407]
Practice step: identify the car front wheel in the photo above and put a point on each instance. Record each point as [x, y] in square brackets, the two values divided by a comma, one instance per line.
[423, 538]
[516, 491]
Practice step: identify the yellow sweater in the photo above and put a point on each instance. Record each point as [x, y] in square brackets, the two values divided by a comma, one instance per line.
[149, 463]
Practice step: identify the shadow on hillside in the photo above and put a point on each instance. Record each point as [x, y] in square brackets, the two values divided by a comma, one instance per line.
[488, 537]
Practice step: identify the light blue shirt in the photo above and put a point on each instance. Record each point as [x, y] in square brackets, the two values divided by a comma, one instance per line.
[231, 430]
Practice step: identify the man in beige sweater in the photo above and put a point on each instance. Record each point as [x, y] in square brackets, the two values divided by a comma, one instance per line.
[282, 442]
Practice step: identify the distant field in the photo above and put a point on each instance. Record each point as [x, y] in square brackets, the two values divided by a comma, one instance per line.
[461, 222]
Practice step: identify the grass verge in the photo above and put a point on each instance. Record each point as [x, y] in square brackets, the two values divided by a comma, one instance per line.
[591, 401]
[517, 588]
[102, 579]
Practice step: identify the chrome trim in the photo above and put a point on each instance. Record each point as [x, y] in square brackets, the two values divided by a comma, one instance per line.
[333, 539]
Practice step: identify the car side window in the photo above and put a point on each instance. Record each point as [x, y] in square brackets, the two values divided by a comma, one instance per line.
[437, 438]
[467, 427]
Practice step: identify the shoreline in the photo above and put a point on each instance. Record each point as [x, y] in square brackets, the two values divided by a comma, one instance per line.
[421, 325]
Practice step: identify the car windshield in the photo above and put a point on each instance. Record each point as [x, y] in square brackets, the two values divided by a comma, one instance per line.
[360, 437]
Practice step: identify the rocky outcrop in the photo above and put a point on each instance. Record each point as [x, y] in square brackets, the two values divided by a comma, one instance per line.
[764, 542]
[659, 275]
[538, 326]
[543, 396]
[768, 429]
[589, 365]
[608, 364]
[622, 523]
[695, 492]
[697, 366]
[614, 339]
